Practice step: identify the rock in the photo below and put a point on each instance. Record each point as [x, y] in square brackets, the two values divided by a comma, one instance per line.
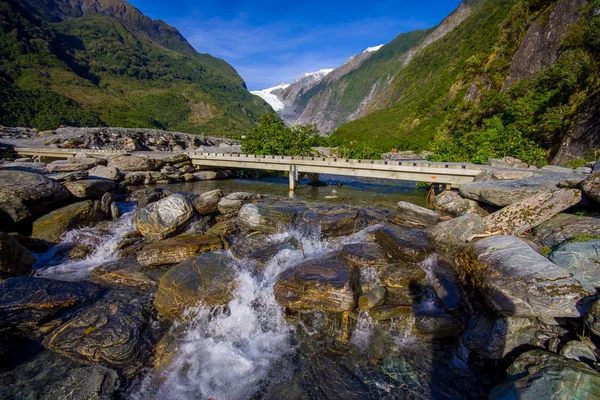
[206, 280]
[223, 228]
[398, 276]
[504, 193]
[90, 188]
[592, 319]
[591, 187]
[365, 254]
[81, 251]
[596, 167]
[582, 259]
[556, 168]
[69, 176]
[164, 218]
[563, 227]
[102, 172]
[52, 226]
[14, 258]
[261, 248]
[25, 194]
[452, 235]
[404, 244]
[110, 333]
[576, 350]
[529, 213]
[373, 298]
[125, 272]
[266, 218]
[209, 175]
[508, 175]
[69, 166]
[451, 203]
[538, 374]
[327, 284]
[170, 170]
[128, 163]
[144, 177]
[339, 221]
[234, 201]
[115, 212]
[207, 203]
[411, 215]
[383, 313]
[176, 158]
[177, 249]
[26, 302]
[583, 170]
[506, 162]
[89, 382]
[437, 326]
[515, 280]
[143, 197]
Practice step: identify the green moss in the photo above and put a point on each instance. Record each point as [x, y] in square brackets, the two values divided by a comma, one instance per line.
[583, 238]
[546, 250]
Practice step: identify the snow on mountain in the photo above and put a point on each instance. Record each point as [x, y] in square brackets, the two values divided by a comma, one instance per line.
[312, 76]
[268, 96]
[373, 49]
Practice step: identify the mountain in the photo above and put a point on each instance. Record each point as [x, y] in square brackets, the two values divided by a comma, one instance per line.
[496, 77]
[103, 62]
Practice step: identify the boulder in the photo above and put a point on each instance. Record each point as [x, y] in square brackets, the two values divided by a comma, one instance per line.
[261, 248]
[14, 258]
[538, 374]
[210, 175]
[340, 221]
[436, 325]
[90, 188]
[177, 249]
[26, 194]
[366, 254]
[223, 228]
[576, 350]
[234, 201]
[563, 227]
[143, 197]
[69, 165]
[206, 280]
[102, 172]
[124, 272]
[144, 177]
[373, 298]
[556, 168]
[208, 203]
[164, 218]
[328, 284]
[582, 259]
[69, 176]
[452, 235]
[110, 333]
[451, 203]
[414, 216]
[128, 163]
[404, 244]
[504, 193]
[532, 211]
[386, 312]
[583, 170]
[592, 319]
[52, 226]
[176, 158]
[26, 302]
[506, 162]
[265, 218]
[515, 280]
[591, 187]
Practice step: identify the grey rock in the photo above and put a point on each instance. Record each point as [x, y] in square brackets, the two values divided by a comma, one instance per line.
[415, 216]
[592, 319]
[576, 350]
[591, 187]
[507, 162]
[266, 218]
[260, 248]
[69, 176]
[556, 168]
[450, 202]
[70, 165]
[336, 221]
[102, 172]
[14, 258]
[164, 218]
[144, 177]
[563, 227]
[515, 280]
[452, 235]
[210, 175]
[404, 244]
[90, 188]
[208, 202]
[582, 259]
[128, 163]
[234, 201]
[583, 170]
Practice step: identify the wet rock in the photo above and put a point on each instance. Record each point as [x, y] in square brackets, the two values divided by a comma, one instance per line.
[69, 176]
[451, 203]
[591, 187]
[383, 313]
[164, 218]
[143, 197]
[563, 227]
[582, 259]
[80, 251]
[125, 272]
[373, 298]
[265, 218]
[515, 280]
[110, 333]
[401, 275]
[576, 350]
[334, 222]
[261, 248]
[206, 280]
[504, 193]
[52, 226]
[209, 175]
[532, 211]
[592, 319]
[414, 216]
[538, 374]
[177, 249]
[14, 258]
[25, 194]
[223, 228]
[404, 244]
[452, 235]
[90, 188]
[207, 203]
[26, 302]
[144, 178]
[128, 163]
[70, 165]
[102, 172]
[115, 212]
[365, 254]
[436, 326]
[234, 201]
[328, 284]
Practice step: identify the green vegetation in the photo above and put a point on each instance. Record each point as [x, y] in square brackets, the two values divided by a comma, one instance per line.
[98, 69]
[546, 250]
[452, 98]
[272, 137]
[583, 238]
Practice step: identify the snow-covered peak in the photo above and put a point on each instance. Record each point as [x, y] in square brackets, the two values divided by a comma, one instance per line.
[372, 49]
[269, 97]
[312, 76]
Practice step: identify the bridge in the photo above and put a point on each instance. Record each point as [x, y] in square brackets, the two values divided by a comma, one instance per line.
[450, 174]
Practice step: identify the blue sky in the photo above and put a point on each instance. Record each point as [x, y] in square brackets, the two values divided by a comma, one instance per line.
[269, 42]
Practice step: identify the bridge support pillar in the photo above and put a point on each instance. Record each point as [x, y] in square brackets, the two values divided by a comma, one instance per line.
[293, 177]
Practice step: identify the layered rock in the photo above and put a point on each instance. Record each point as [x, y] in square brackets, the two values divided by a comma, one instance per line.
[128, 163]
[102, 172]
[339, 221]
[124, 272]
[177, 249]
[415, 216]
[265, 218]
[53, 225]
[563, 227]
[582, 259]
[450, 202]
[90, 188]
[14, 258]
[453, 235]
[234, 201]
[208, 202]
[404, 244]
[164, 218]
[591, 187]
